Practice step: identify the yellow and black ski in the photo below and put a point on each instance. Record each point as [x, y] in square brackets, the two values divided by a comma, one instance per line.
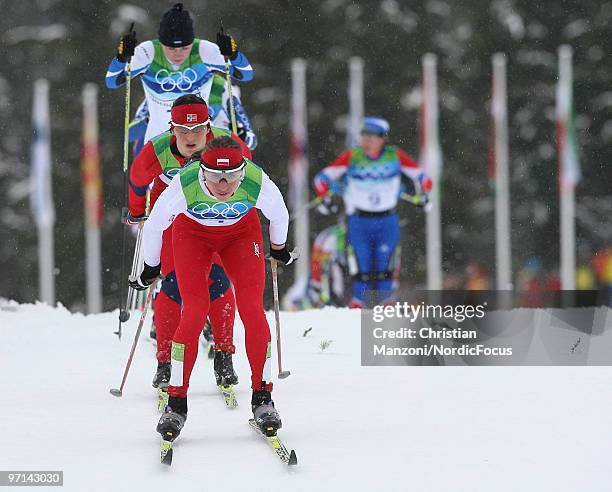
[287, 457]
[229, 395]
[166, 450]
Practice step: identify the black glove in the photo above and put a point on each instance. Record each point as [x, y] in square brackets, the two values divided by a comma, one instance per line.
[284, 256]
[227, 45]
[147, 277]
[127, 44]
[130, 219]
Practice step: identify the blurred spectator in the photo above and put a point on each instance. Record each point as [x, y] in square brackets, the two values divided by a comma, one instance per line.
[585, 278]
[602, 264]
[553, 282]
[477, 276]
[530, 284]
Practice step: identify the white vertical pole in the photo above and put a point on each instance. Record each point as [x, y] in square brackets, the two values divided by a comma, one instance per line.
[91, 191]
[46, 254]
[568, 240]
[298, 178]
[499, 111]
[42, 191]
[356, 104]
[567, 170]
[431, 159]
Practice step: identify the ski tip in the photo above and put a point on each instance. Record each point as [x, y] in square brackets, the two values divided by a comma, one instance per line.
[166, 452]
[167, 458]
[116, 392]
[292, 458]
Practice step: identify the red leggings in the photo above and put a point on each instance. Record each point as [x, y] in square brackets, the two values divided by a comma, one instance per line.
[167, 305]
[240, 249]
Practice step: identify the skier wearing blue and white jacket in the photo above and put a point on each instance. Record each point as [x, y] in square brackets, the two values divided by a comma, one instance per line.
[370, 177]
[218, 108]
[175, 64]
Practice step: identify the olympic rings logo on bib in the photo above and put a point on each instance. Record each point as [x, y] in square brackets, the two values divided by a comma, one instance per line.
[176, 80]
[220, 210]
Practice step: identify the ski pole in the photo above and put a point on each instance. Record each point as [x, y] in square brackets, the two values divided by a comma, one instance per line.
[231, 98]
[119, 392]
[229, 91]
[141, 296]
[126, 119]
[124, 315]
[281, 374]
[124, 309]
[136, 264]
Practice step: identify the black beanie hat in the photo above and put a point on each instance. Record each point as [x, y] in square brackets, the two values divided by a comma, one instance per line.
[176, 27]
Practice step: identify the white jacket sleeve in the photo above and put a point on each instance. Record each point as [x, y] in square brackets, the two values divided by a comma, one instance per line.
[143, 57]
[169, 204]
[272, 205]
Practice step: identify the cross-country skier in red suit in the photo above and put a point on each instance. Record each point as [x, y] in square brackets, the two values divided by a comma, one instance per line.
[158, 162]
[211, 207]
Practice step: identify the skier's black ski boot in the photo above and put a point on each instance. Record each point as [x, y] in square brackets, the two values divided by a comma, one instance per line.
[173, 419]
[224, 369]
[266, 417]
[162, 375]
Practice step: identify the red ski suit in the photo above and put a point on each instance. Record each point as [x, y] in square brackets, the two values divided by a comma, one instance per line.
[147, 169]
[238, 242]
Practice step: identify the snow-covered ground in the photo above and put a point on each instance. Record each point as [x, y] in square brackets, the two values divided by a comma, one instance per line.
[353, 428]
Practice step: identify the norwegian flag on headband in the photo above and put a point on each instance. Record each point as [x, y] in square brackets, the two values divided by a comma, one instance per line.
[189, 114]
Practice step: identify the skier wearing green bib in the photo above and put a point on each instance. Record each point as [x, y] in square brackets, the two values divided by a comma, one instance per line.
[176, 63]
[370, 177]
[211, 206]
[158, 162]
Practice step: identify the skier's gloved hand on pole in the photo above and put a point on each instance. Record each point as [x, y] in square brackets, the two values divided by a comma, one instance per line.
[147, 277]
[127, 44]
[283, 255]
[325, 188]
[227, 45]
[416, 190]
[130, 219]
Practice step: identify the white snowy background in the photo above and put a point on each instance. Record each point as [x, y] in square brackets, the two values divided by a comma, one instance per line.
[354, 428]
